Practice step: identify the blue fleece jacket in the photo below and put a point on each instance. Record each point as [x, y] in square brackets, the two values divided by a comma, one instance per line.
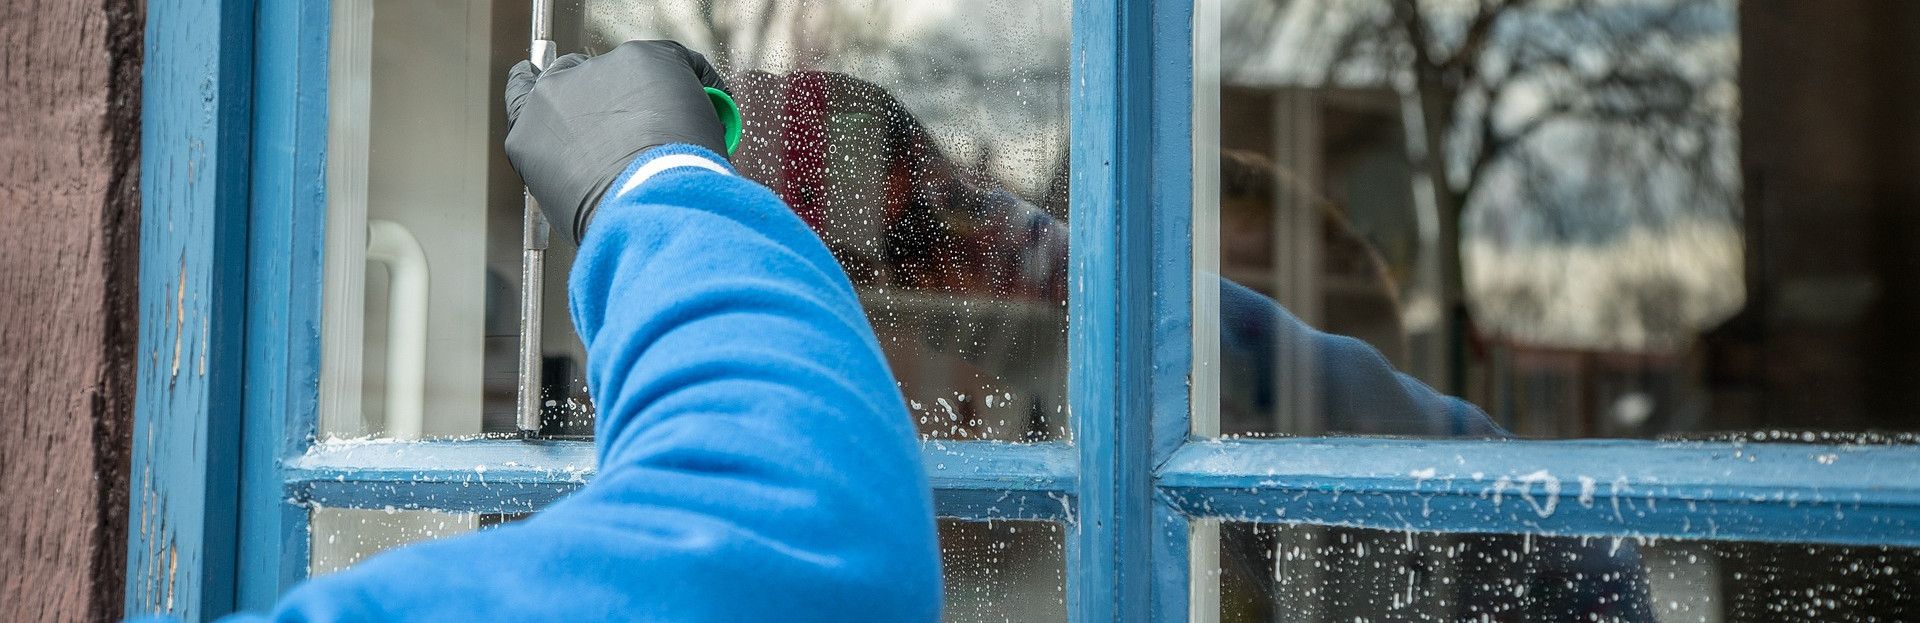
[756, 461]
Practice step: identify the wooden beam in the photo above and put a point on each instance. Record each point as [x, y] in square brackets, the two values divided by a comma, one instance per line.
[69, 221]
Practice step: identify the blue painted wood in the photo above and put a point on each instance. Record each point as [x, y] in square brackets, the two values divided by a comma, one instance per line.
[1761, 492]
[1111, 310]
[991, 480]
[971, 480]
[285, 241]
[1171, 109]
[1172, 543]
[482, 477]
[195, 121]
[1001, 504]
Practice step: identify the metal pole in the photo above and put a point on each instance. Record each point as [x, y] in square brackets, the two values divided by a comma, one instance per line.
[533, 257]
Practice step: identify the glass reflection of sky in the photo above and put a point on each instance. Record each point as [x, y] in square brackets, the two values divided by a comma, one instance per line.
[992, 92]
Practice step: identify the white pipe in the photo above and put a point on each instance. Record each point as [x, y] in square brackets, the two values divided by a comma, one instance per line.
[391, 244]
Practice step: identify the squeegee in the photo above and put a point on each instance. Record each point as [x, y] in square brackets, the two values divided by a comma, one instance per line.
[535, 233]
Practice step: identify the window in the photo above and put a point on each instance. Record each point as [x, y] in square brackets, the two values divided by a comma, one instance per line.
[961, 267]
[1119, 165]
[1548, 210]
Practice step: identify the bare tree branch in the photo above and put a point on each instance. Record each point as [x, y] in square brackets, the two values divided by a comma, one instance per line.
[1479, 34]
[1414, 27]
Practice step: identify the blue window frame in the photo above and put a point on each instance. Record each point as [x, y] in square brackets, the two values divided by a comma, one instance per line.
[232, 188]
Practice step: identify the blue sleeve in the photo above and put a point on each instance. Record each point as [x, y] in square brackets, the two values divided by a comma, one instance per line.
[756, 461]
[1359, 391]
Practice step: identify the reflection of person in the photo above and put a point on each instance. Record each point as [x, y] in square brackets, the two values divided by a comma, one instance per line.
[755, 460]
[914, 219]
[963, 280]
[864, 173]
[1565, 579]
[1357, 293]
[1266, 351]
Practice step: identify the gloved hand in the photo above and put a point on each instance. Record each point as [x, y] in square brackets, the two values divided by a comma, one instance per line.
[572, 128]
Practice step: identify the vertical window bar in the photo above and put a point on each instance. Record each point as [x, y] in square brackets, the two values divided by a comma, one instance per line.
[1179, 328]
[1206, 217]
[195, 122]
[1111, 312]
[1169, 170]
[1200, 580]
[348, 90]
[284, 285]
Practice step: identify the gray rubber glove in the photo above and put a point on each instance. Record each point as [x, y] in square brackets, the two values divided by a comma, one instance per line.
[575, 126]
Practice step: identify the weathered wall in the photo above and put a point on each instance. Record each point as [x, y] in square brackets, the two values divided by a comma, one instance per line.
[69, 227]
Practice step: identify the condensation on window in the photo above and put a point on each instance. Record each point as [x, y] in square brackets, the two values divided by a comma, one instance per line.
[926, 143]
[1314, 573]
[994, 571]
[1548, 210]
[1004, 570]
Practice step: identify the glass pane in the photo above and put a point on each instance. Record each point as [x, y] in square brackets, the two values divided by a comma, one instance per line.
[1316, 573]
[423, 227]
[930, 157]
[344, 536]
[1635, 218]
[1004, 570]
[926, 142]
[995, 571]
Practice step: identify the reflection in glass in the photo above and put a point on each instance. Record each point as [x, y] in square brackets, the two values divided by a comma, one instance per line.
[423, 226]
[1549, 210]
[926, 143]
[1314, 573]
[1004, 570]
[406, 274]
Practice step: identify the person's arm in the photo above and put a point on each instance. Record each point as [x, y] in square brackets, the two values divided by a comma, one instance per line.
[1359, 391]
[756, 461]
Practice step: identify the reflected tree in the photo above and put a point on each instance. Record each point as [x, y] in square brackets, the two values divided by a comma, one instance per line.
[1557, 121]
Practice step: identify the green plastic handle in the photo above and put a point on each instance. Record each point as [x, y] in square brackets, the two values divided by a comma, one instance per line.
[729, 117]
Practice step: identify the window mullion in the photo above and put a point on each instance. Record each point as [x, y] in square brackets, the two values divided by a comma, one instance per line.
[1113, 387]
[284, 282]
[195, 113]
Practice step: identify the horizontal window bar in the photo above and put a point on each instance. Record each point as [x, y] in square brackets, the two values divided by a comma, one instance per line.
[995, 480]
[477, 476]
[971, 480]
[1759, 492]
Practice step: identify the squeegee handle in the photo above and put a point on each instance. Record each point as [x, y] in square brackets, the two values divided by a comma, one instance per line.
[533, 259]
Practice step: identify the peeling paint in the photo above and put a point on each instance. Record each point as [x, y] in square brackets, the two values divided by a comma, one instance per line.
[173, 573]
[179, 316]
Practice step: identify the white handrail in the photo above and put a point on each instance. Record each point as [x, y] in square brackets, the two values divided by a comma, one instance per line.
[391, 244]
